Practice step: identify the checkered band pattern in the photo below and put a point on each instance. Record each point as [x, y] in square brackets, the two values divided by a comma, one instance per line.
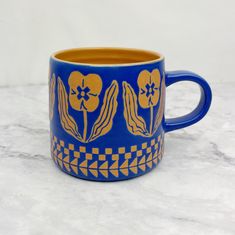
[107, 162]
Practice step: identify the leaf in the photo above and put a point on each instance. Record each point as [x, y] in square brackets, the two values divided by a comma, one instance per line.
[135, 124]
[161, 106]
[67, 121]
[104, 122]
[51, 96]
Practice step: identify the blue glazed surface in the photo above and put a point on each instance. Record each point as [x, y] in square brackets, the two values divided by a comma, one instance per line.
[204, 104]
[142, 153]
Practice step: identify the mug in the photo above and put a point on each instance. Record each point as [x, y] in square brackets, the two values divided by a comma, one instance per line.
[106, 111]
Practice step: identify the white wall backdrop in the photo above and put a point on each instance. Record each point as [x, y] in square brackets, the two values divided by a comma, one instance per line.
[193, 35]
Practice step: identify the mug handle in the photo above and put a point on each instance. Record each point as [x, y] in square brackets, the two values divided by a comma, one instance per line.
[203, 106]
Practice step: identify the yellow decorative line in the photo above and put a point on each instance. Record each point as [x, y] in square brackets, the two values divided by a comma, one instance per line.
[109, 161]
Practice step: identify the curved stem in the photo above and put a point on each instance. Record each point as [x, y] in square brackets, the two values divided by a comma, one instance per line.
[85, 124]
[151, 120]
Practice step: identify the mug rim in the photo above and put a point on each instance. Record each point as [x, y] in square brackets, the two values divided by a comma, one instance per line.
[149, 56]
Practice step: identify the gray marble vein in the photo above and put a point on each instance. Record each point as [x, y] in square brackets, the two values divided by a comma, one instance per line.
[192, 191]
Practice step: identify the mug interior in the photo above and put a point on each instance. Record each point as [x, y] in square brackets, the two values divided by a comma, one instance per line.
[109, 56]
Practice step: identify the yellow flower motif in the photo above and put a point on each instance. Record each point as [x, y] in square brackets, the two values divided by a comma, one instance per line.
[148, 88]
[84, 91]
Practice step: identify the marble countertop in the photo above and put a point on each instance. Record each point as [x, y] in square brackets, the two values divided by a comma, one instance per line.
[192, 191]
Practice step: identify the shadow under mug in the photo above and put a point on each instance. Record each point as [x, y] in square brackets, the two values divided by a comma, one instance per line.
[107, 111]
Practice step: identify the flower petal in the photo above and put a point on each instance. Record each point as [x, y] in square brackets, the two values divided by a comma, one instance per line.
[76, 80]
[143, 100]
[156, 77]
[155, 98]
[144, 79]
[92, 103]
[76, 103]
[94, 83]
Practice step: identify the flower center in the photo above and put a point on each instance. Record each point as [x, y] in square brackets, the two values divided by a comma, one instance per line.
[150, 89]
[83, 93]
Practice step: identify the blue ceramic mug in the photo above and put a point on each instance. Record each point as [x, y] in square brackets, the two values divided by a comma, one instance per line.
[107, 111]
